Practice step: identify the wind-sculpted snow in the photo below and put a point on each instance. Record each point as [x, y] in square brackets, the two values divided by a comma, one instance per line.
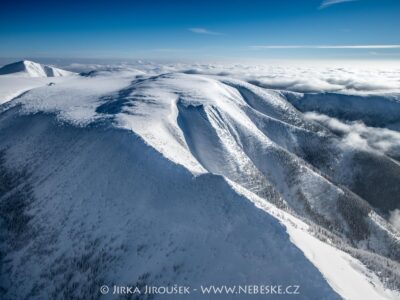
[151, 177]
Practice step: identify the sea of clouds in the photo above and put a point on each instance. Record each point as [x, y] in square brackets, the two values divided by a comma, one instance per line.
[352, 79]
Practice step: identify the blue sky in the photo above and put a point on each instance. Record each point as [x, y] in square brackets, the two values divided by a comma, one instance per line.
[298, 29]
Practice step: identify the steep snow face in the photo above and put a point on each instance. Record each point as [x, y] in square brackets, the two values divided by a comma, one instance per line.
[190, 152]
[32, 69]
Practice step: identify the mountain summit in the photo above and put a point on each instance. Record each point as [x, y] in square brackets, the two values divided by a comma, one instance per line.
[32, 69]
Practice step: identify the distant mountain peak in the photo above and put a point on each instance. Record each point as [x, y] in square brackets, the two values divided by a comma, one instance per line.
[32, 69]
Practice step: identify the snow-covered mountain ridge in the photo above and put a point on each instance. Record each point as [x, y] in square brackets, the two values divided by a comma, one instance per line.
[171, 177]
[32, 69]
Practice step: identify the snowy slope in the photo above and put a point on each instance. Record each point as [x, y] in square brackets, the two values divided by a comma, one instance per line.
[347, 276]
[110, 223]
[19, 77]
[153, 179]
[32, 69]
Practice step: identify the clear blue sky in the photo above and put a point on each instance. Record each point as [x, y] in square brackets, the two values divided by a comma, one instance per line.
[201, 29]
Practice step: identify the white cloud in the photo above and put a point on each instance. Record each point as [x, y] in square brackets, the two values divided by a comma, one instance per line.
[358, 135]
[260, 47]
[169, 50]
[200, 30]
[327, 3]
[394, 218]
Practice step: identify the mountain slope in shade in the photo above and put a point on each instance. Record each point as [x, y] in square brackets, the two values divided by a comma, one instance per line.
[151, 179]
[32, 69]
[130, 217]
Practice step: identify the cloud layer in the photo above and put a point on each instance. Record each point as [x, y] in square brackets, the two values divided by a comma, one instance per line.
[365, 79]
[358, 135]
